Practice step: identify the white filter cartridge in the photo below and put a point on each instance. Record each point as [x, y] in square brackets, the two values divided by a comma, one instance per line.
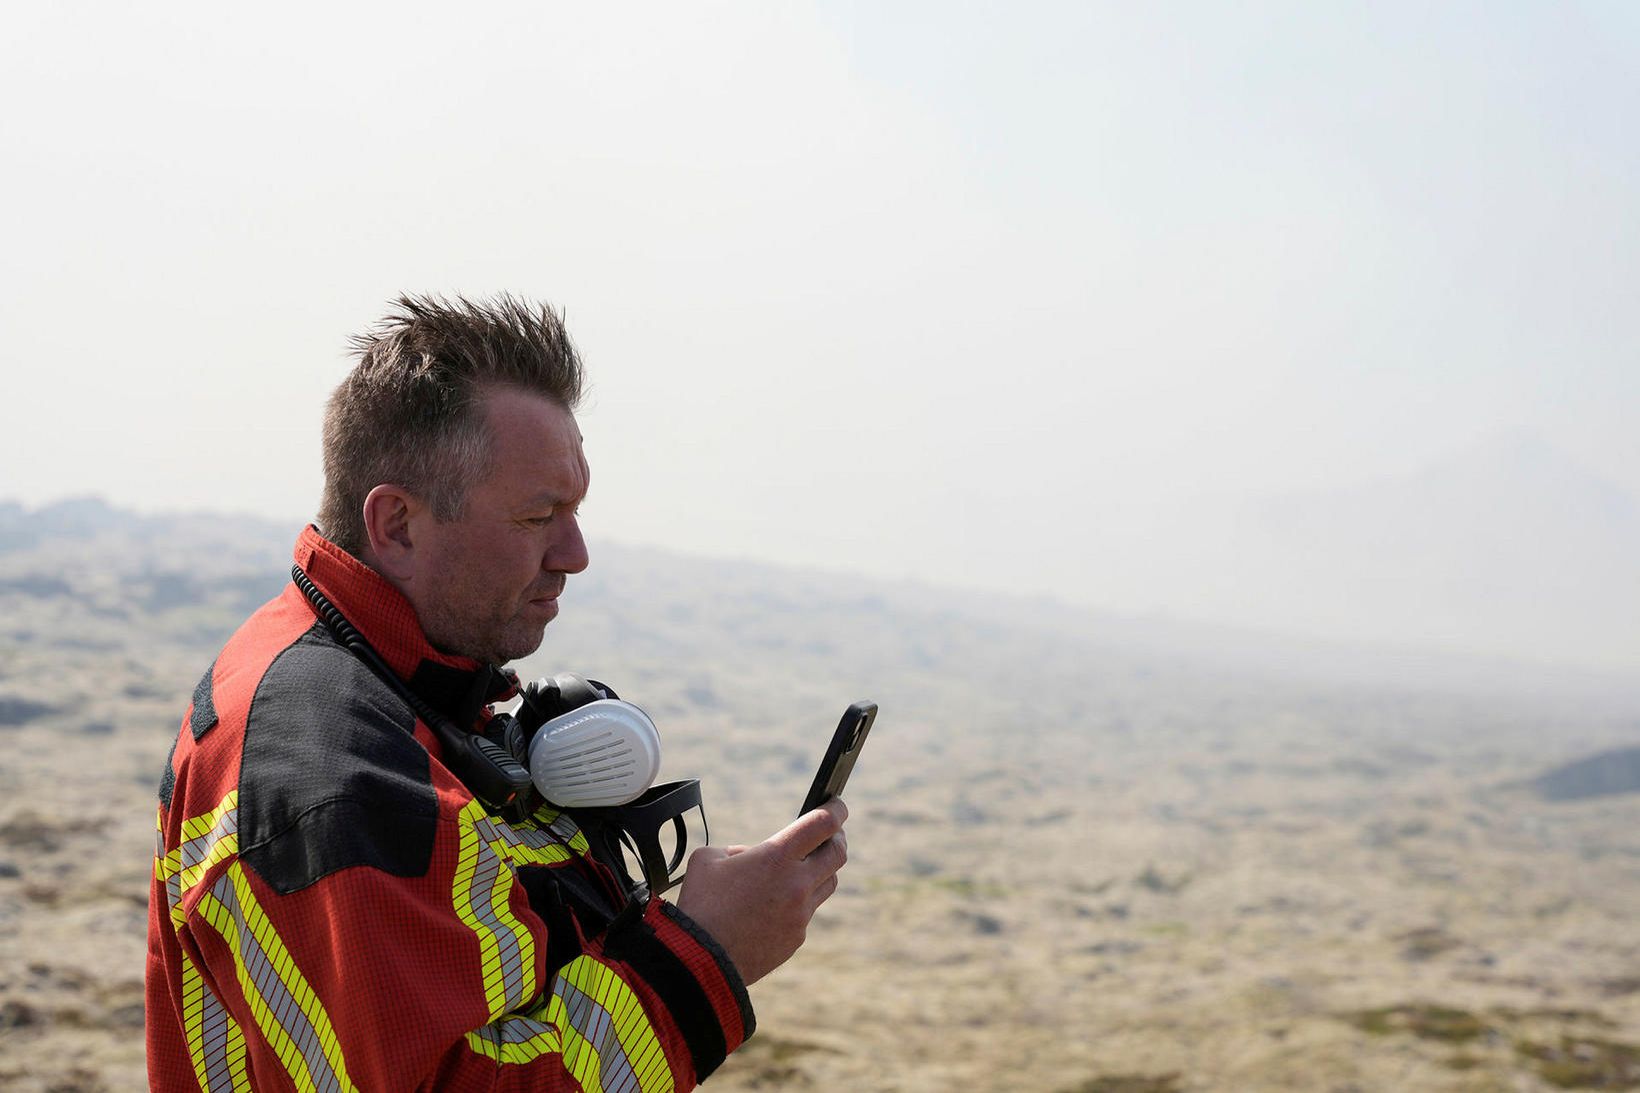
[604, 753]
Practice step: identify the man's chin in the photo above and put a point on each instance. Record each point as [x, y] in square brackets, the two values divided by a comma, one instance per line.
[522, 642]
[518, 637]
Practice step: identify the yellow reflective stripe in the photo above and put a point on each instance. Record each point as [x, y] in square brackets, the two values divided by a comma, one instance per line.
[236, 1058]
[199, 825]
[193, 1019]
[481, 894]
[591, 1018]
[531, 846]
[629, 1036]
[560, 824]
[166, 868]
[215, 1043]
[206, 840]
[516, 1039]
[218, 840]
[595, 1021]
[581, 1056]
[286, 1010]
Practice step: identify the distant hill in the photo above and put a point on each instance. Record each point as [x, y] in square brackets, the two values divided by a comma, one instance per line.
[87, 566]
[1509, 548]
[1603, 775]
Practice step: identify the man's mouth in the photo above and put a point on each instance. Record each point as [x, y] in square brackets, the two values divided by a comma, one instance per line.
[550, 595]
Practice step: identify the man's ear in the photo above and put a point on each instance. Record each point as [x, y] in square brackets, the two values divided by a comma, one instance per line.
[388, 511]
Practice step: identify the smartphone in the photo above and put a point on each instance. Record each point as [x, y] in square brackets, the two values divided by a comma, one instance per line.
[841, 753]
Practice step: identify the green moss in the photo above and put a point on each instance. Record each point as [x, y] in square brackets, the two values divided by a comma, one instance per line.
[1128, 1083]
[1153, 880]
[769, 1062]
[1584, 1062]
[766, 1048]
[1426, 944]
[1452, 1026]
[1577, 1016]
[966, 887]
[1165, 929]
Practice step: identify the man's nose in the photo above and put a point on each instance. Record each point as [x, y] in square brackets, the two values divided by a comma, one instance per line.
[569, 554]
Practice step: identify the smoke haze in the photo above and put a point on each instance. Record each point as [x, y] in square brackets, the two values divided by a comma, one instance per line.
[1298, 318]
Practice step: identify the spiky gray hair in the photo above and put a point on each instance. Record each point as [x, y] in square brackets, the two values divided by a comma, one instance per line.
[408, 413]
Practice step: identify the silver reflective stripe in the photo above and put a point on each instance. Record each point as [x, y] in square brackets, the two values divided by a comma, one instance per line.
[597, 1027]
[492, 879]
[214, 1028]
[197, 850]
[281, 1004]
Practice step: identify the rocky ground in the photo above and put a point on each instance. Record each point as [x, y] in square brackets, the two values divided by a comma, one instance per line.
[1075, 865]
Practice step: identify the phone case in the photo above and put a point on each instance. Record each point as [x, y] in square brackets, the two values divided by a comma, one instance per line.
[844, 749]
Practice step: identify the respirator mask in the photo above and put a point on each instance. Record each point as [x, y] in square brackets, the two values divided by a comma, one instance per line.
[594, 755]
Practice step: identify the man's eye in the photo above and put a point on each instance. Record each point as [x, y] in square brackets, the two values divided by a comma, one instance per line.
[543, 521]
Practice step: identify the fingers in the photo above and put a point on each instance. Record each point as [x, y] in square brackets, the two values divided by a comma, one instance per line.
[808, 832]
[703, 855]
[822, 892]
[830, 856]
[757, 901]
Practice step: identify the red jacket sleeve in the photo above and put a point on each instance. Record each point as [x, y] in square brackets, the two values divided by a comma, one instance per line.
[365, 980]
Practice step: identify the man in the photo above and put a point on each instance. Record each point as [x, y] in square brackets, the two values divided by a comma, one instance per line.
[332, 907]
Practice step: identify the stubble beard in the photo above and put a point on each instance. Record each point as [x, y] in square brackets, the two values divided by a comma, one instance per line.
[500, 636]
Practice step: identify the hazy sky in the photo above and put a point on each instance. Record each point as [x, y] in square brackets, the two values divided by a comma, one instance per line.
[965, 292]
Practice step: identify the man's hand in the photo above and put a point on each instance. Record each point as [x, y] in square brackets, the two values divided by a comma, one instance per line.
[757, 900]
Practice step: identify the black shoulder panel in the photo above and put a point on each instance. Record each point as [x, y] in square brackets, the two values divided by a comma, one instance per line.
[203, 715]
[331, 776]
[168, 780]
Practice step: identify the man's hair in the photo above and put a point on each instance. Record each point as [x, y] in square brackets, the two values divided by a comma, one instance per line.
[411, 414]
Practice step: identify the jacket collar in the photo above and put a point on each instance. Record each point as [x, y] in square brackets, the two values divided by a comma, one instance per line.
[453, 684]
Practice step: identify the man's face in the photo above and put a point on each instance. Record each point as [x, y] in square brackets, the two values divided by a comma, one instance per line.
[486, 585]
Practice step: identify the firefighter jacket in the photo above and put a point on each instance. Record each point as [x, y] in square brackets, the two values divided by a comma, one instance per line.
[332, 910]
